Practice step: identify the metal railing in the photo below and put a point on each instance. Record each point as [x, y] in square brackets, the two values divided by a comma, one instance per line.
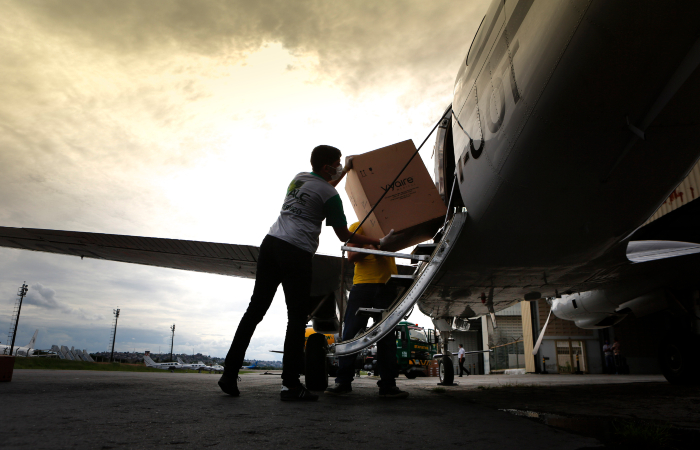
[508, 356]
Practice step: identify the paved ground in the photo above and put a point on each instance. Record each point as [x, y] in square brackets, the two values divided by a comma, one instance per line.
[84, 409]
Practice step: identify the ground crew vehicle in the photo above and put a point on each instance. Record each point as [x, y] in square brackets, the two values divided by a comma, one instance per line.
[415, 347]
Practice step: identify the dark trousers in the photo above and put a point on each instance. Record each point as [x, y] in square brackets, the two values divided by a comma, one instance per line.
[369, 295]
[278, 262]
[461, 367]
[609, 363]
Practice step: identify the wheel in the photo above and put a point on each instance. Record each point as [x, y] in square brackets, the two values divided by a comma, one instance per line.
[678, 360]
[410, 374]
[315, 362]
[447, 370]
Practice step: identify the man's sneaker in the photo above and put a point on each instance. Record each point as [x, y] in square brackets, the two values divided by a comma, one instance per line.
[297, 394]
[392, 392]
[339, 389]
[229, 385]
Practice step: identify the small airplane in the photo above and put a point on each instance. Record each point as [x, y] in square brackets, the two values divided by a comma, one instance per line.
[252, 366]
[213, 368]
[171, 366]
[570, 124]
[190, 366]
[21, 351]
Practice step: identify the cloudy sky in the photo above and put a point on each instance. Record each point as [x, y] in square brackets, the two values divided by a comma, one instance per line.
[187, 119]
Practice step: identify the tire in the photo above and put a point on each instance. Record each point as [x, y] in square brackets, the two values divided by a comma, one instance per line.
[447, 370]
[679, 360]
[410, 374]
[315, 362]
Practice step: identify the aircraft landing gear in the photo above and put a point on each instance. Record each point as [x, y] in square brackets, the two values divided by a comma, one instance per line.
[678, 359]
[447, 371]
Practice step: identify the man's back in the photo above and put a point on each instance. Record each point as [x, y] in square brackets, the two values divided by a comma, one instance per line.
[372, 268]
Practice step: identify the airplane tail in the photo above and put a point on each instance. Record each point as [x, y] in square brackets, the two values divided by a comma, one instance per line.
[200, 362]
[149, 362]
[179, 361]
[33, 341]
[255, 364]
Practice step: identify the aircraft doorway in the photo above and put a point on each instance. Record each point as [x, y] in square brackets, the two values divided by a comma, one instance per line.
[567, 353]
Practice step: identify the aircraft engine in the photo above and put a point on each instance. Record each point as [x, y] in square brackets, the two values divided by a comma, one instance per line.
[601, 309]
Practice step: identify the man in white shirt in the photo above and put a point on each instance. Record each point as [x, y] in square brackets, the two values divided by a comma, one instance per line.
[460, 355]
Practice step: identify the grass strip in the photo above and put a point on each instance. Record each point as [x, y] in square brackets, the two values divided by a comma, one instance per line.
[62, 364]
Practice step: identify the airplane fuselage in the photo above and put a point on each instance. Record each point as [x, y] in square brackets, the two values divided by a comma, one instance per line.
[549, 110]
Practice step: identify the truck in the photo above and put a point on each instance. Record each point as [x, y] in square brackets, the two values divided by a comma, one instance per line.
[415, 347]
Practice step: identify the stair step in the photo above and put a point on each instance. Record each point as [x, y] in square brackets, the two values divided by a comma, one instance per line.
[372, 312]
[383, 253]
[401, 280]
[424, 249]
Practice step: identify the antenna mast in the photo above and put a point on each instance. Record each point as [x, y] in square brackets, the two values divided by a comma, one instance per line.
[21, 292]
[114, 332]
[172, 340]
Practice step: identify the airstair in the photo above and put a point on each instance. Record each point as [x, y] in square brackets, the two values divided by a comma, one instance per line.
[429, 259]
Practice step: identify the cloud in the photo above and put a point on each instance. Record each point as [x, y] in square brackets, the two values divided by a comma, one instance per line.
[155, 118]
[359, 43]
[44, 297]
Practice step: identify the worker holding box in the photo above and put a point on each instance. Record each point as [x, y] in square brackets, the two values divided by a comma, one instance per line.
[285, 257]
[369, 290]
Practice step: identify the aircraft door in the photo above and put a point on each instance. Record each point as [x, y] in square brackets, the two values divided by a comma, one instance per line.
[444, 164]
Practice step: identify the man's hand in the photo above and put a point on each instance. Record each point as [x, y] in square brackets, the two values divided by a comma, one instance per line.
[388, 239]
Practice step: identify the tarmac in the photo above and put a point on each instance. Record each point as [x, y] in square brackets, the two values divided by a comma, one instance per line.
[105, 410]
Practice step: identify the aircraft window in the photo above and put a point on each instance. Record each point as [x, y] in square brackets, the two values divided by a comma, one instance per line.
[418, 335]
[484, 32]
[474, 40]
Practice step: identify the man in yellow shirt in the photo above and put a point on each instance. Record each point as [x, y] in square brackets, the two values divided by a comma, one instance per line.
[369, 291]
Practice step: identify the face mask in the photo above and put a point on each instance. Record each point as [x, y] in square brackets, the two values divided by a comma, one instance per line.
[338, 172]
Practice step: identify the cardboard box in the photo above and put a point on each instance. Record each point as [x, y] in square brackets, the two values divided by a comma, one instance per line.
[7, 366]
[412, 204]
[434, 368]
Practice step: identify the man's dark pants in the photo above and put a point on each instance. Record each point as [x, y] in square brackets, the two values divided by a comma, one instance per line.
[461, 367]
[609, 364]
[369, 295]
[278, 262]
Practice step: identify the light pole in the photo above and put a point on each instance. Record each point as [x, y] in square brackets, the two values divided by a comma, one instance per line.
[21, 292]
[172, 340]
[114, 333]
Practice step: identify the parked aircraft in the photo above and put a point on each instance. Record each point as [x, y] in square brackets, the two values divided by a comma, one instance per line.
[252, 366]
[191, 366]
[570, 124]
[171, 366]
[20, 351]
[213, 368]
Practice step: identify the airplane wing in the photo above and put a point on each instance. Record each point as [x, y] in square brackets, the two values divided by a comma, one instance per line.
[208, 257]
[667, 263]
[645, 251]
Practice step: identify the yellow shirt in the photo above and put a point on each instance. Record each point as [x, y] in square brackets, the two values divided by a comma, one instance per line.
[373, 269]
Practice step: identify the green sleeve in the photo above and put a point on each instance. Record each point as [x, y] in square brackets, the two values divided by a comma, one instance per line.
[333, 210]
